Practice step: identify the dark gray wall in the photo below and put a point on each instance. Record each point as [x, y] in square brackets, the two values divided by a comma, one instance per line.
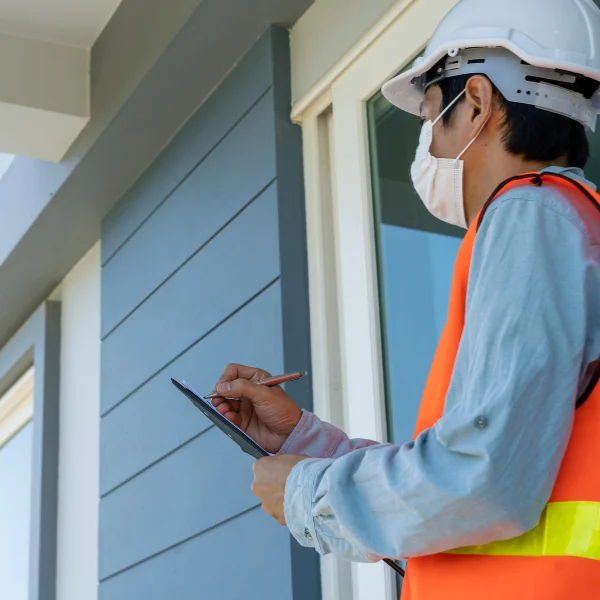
[204, 263]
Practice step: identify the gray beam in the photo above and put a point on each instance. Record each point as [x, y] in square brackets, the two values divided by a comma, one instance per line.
[151, 68]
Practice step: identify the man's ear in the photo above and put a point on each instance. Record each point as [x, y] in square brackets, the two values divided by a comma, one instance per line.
[480, 97]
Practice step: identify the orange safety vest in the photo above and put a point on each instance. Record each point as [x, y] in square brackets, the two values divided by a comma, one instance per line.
[560, 558]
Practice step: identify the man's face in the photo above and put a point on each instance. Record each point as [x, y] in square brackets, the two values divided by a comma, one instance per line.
[475, 125]
[448, 140]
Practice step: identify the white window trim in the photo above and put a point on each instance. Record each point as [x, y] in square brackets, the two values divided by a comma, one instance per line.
[16, 407]
[344, 299]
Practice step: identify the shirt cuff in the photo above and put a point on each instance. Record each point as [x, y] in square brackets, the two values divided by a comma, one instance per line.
[312, 437]
[298, 501]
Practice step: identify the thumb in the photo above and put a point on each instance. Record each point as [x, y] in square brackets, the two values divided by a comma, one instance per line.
[242, 388]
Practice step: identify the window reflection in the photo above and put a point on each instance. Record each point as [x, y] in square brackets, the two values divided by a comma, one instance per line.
[416, 254]
[15, 506]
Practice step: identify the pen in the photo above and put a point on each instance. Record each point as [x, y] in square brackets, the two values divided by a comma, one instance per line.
[271, 381]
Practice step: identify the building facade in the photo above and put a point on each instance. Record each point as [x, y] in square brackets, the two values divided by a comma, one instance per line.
[187, 185]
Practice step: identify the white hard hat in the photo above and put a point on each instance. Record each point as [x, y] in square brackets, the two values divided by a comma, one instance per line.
[539, 52]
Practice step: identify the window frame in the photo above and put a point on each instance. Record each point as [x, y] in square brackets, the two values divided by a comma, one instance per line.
[16, 407]
[37, 345]
[347, 353]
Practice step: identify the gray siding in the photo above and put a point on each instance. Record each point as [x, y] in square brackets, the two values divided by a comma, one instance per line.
[204, 263]
[222, 563]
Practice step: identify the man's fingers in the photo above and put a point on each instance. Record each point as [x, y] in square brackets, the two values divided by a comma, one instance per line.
[229, 374]
[242, 388]
[231, 413]
[234, 371]
[235, 418]
[223, 407]
[229, 406]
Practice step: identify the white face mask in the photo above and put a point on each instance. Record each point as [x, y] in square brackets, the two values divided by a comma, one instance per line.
[439, 181]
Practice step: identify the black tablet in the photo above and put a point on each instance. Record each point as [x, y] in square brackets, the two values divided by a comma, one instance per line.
[245, 442]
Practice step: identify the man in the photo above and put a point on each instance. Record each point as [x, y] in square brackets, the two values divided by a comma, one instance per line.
[498, 495]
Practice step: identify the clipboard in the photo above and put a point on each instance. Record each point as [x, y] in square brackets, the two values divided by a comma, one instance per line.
[240, 437]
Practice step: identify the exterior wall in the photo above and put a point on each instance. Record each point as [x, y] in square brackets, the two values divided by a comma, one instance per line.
[153, 64]
[77, 535]
[325, 33]
[204, 263]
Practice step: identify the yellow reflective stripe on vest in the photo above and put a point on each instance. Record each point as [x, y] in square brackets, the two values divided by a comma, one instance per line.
[565, 529]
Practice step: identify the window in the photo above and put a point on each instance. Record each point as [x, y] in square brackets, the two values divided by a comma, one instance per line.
[16, 409]
[415, 258]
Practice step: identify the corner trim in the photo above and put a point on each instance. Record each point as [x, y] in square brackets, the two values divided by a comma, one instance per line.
[293, 259]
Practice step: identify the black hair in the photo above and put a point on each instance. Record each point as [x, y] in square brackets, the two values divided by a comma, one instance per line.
[530, 132]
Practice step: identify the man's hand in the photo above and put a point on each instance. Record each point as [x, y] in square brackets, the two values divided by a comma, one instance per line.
[270, 476]
[267, 414]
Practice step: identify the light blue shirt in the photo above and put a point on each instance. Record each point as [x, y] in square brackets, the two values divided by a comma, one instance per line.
[486, 470]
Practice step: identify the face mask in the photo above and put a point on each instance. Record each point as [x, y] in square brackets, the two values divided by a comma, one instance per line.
[439, 181]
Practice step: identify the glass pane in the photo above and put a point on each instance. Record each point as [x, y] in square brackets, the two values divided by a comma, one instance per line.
[416, 255]
[592, 170]
[15, 506]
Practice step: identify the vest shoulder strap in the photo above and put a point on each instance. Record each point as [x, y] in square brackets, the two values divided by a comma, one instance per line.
[538, 180]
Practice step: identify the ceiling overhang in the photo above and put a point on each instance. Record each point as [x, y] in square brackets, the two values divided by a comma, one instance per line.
[45, 72]
[152, 66]
[44, 97]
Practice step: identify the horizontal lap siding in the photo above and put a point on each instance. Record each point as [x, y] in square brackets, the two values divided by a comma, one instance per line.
[219, 115]
[199, 296]
[202, 484]
[192, 279]
[157, 418]
[240, 559]
[239, 169]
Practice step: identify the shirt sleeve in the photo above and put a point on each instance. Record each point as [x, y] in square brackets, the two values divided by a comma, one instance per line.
[319, 439]
[485, 471]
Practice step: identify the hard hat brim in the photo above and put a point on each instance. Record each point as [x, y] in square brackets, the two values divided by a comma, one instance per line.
[402, 92]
